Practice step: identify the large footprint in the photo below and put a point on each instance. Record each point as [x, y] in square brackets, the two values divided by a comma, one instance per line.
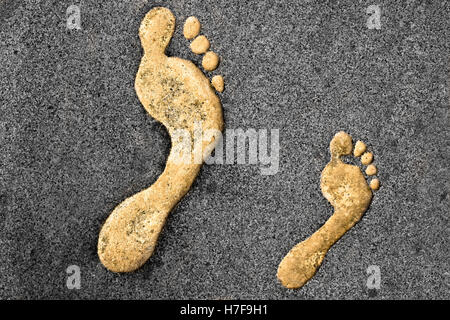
[345, 187]
[176, 93]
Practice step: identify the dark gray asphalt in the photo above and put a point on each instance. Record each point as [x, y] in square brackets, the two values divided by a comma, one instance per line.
[75, 141]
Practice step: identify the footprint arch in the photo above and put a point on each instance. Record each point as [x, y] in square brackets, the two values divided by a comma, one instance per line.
[347, 190]
[177, 94]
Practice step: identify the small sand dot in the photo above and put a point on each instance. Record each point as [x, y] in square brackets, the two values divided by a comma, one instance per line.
[360, 148]
[371, 170]
[367, 158]
[210, 61]
[375, 184]
[191, 28]
[200, 45]
[217, 82]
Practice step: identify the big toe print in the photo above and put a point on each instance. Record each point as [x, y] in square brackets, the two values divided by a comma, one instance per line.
[176, 93]
[345, 187]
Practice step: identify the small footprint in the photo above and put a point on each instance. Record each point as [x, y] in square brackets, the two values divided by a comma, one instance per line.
[177, 94]
[345, 187]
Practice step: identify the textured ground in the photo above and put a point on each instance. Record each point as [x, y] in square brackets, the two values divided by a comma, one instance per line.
[75, 141]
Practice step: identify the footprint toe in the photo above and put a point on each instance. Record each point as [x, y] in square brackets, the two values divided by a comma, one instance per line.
[210, 61]
[371, 170]
[341, 144]
[191, 28]
[217, 83]
[200, 45]
[156, 30]
[375, 184]
[367, 158]
[360, 148]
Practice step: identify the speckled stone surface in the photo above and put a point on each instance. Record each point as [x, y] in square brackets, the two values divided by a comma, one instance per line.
[75, 142]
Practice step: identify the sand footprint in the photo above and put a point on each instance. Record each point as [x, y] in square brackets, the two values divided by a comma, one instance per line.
[345, 187]
[176, 93]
